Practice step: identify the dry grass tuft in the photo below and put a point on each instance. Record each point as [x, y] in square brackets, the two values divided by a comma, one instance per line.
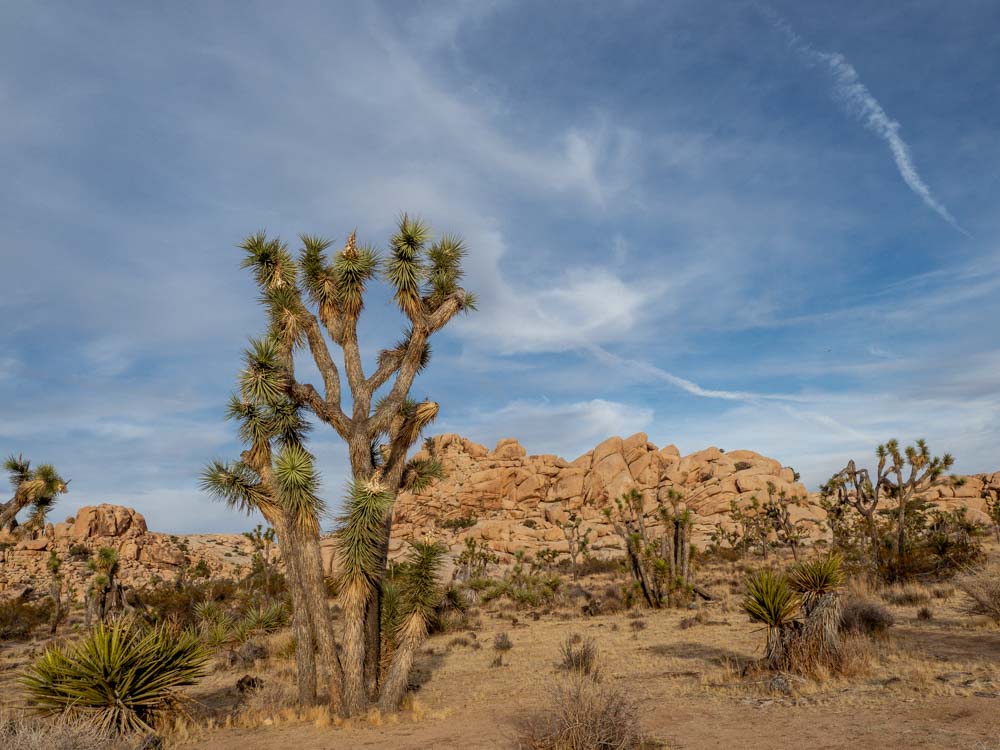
[23, 733]
[579, 656]
[907, 595]
[583, 715]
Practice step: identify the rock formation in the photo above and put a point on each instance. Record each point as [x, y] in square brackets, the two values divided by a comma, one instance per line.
[520, 501]
[144, 556]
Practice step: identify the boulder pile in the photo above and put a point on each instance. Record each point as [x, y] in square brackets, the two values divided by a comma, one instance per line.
[520, 502]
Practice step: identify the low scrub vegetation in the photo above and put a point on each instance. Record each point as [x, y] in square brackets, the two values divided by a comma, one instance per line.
[982, 596]
[582, 714]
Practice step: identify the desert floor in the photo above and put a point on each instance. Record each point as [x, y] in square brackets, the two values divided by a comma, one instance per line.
[928, 684]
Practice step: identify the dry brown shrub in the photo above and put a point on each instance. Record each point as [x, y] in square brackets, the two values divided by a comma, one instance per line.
[907, 595]
[982, 596]
[582, 714]
[579, 656]
[24, 733]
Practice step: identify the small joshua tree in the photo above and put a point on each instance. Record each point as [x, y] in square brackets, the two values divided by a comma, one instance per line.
[54, 565]
[578, 541]
[902, 475]
[659, 558]
[777, 510]
[37, 488]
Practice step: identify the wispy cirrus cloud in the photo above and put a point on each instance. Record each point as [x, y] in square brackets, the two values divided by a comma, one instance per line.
[861, 104]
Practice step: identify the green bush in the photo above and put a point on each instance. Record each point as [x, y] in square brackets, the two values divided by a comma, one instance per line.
[119, 677]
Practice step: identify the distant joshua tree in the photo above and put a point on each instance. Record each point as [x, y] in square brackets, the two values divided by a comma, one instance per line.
[901, 475]
[313, 300]
[36, 487]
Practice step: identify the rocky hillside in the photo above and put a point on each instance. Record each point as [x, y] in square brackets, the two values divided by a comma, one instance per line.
[520, 501]
[144, 556]
[514, 502]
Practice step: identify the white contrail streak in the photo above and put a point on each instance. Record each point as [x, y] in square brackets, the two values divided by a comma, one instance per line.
[861, 104]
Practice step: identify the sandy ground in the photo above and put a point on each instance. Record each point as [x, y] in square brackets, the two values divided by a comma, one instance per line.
[931, 684]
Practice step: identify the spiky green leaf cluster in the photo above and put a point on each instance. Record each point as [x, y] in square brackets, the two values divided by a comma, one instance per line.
[814, 578]
[118, 676]
[298, 481]
[445, 272]
[419, 591]
[421, 473]
[406, 269]
[235, 484]
[769, 599]
[359, 532]
[353, 268]
[264, 378]
[272, 265]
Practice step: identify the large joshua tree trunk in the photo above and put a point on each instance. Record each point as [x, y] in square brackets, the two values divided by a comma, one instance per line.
[319, 615]
[355, 600]
[305, 650]
[410, 637]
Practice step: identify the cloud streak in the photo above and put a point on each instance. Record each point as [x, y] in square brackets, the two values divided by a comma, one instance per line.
[861, 104]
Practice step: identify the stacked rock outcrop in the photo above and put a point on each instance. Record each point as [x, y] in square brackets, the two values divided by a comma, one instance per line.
[143, 555]
[519, 502]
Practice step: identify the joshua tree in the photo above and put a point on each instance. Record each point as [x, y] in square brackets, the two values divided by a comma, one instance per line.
[901, 475]
[275, 476]
[55, 589]
[37, 488]
[659, 559]
[778, 511]
[105, 594]
[312, 297]
[578, 542]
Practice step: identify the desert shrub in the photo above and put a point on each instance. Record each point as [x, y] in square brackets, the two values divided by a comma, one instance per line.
[23, 733]
[18, 618]
[579, 655]
[742, 465]
[582, 714]
[457, 524]
[590, 566]
[119, 677]
[79, 552]
[982, 594]
[501, 645]
[865, 617]
[524, 588]
[925, 614]
[906, 595]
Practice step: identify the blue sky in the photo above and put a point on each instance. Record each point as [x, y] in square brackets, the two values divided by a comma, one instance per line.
[752, 226]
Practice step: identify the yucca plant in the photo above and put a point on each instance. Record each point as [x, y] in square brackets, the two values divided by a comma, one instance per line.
[770, 600]
[315, 300]
[817, 582]
[120, 677]
[218, 633]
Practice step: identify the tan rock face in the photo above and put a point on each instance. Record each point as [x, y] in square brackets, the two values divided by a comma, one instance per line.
[143, 555]
[520, 501]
